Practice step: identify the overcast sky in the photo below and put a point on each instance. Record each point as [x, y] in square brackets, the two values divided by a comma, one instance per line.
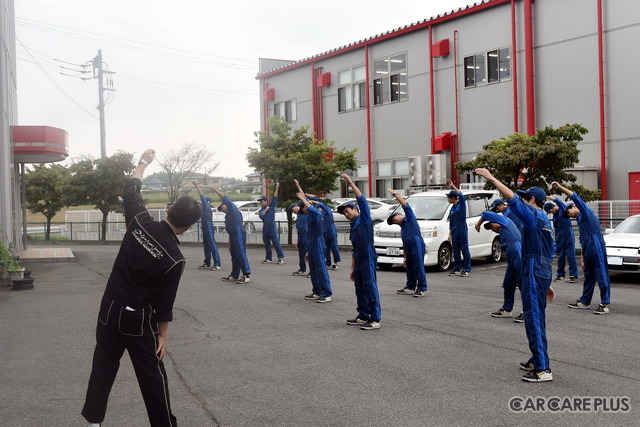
[184, 70]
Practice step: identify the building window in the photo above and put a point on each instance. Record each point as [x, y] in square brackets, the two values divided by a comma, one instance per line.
[390, 79]
[286, 110]
[488, 67]
[351, 90]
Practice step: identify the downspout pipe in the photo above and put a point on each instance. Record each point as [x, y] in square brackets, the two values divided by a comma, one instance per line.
[529, 67]
[431, 90]
[603, 139]
[454, 143]
[368, 100]
[514, 68]
[314, 100]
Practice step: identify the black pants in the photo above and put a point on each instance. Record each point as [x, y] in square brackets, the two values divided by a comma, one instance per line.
[119, 329]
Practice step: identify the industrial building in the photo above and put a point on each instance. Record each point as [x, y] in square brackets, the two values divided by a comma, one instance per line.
[417, 99]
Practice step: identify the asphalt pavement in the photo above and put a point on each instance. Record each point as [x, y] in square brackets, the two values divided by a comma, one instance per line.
[259, 354]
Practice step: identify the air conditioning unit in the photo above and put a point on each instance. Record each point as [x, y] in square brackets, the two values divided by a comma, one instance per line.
[418, 170]
[436, 165]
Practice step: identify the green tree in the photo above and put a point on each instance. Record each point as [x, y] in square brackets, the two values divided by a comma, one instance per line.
[46, 191]
[100, 182]
[283, 156]
[537, 160]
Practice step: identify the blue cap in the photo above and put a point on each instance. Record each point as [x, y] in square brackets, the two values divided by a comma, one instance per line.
[495, 204]
[207, 199]
[261, 198]
[536, 192]
[548, 206]
[390, 219]
[346, 205]
[292, 205]
[452, 193]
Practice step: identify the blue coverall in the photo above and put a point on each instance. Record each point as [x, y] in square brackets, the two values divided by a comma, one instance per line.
[538, 248]
[414, 250]
[565, 240]
[459, 235]
[511, 243]
[209, 242]
[237, 239]
[594, 254]
[330, 236]
[269, 232]
[513, 217]
[315, 249]
[302, 222]
[365, 264]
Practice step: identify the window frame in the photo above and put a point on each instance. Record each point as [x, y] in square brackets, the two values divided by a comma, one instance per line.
[491, 69]
[383, 86]
[347, 91]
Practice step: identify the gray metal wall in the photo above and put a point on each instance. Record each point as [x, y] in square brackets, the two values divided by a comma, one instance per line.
[566, 86]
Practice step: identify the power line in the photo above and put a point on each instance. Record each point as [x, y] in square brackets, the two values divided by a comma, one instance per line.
[161, 30]
[173, 53]
[53, 81]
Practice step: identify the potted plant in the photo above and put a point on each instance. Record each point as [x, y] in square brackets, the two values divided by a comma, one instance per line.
[10, 264]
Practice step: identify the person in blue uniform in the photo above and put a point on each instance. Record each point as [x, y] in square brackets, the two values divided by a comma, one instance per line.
[364, 260]
[413, 247]
[233, 223]
[499, 206]
[594, 253]
[302, 222]
[267, 214]
[137, 304]
[458, 232]
[321, 285]
[511, 243]
[208, 241]
[537, 255]
[330, 234]
[565, 239]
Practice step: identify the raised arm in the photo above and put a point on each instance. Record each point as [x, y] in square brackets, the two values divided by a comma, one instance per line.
[506, 192]
[218, 192]
[399, 198]
[557, 186]
[195, 183]
[356, 190]
[275, 193]
[453, 186]
[145, 159]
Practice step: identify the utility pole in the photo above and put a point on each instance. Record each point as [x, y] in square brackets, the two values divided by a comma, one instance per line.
[99, 73]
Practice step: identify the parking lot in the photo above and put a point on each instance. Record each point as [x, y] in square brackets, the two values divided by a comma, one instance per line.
[259, 354]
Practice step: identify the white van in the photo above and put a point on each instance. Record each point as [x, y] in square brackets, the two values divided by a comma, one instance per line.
[432, 211]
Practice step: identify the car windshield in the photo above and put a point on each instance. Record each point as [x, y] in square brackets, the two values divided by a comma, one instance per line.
[629, 225]
[428, 208]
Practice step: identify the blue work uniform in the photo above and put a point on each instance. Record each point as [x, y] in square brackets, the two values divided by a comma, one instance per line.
[513, 217]
[302, 221]
[237, 239]
[414, 250]
[315, 248]
[594, 254]
[565, 240]
[330, 236]
[511, 243]
[209, 242]
[365, 264]
[269, 231]
[537, 255]
[460, 235]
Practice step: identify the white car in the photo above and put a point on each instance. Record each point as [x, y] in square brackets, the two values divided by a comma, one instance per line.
[432, 211]
[623, 245]
[252, 221]
[380, 210]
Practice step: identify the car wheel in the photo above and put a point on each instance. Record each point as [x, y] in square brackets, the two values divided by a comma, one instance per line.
[385, 267]
[250, 227]
[496, 251]
[444, 257]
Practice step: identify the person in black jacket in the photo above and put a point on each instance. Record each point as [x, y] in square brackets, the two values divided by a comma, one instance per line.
[137, 304]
